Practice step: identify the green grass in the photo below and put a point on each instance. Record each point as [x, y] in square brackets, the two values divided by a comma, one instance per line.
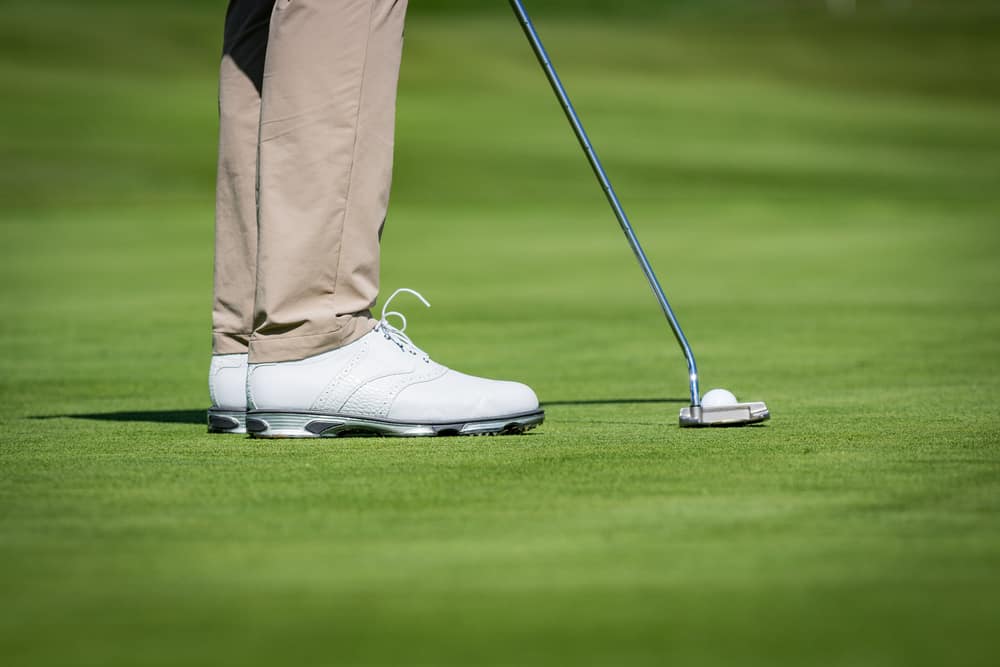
[820, 197]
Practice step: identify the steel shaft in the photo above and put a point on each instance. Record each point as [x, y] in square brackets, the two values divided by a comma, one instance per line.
[609, 192]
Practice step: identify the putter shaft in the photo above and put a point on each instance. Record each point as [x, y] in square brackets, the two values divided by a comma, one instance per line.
[609, 192]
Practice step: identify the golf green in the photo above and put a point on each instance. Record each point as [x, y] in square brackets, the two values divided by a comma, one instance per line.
[819, 194]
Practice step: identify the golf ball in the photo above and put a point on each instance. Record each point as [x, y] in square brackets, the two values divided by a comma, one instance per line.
[717, 398]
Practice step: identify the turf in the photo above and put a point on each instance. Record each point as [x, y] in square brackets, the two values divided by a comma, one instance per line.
[820, 197]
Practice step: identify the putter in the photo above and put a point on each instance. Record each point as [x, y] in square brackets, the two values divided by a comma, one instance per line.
[737, 414]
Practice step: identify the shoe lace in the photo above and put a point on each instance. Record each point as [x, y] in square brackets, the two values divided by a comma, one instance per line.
[395, 334]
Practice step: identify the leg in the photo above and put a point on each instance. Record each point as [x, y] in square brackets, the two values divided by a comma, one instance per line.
[326, 140]
[320, 366]
[240, 76]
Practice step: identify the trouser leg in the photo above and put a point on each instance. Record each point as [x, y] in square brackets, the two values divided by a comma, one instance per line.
[326, 141]
[240, 77]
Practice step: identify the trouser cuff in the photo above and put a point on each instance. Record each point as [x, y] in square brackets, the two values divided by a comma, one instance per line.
[269, 349]
[229, 343]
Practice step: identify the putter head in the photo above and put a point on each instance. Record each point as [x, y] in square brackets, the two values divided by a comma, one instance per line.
[737, 414]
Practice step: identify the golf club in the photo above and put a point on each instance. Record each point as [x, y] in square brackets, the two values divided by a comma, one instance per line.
[728, 414]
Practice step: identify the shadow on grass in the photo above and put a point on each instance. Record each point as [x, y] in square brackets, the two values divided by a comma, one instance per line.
[153, 416]
[615, 401]
[198, 416]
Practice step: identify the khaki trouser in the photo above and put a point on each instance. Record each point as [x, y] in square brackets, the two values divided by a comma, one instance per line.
[307, 102]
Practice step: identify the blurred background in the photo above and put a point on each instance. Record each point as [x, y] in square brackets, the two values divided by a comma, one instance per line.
[779, 139]
[818, 185]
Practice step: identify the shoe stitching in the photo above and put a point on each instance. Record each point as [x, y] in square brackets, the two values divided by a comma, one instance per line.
[328, 395]
[381, 400]
[362, 384]
[399, 387]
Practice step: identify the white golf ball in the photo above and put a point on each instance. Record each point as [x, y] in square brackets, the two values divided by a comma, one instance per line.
[718, 398]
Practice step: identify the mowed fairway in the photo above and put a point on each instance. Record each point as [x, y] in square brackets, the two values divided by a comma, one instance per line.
[821, 198]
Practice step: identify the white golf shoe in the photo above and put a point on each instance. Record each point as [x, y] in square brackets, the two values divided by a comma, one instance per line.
[227, 385]
[382, 384]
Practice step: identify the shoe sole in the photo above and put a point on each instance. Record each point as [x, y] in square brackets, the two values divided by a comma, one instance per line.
[227, 421]
[265, 424]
